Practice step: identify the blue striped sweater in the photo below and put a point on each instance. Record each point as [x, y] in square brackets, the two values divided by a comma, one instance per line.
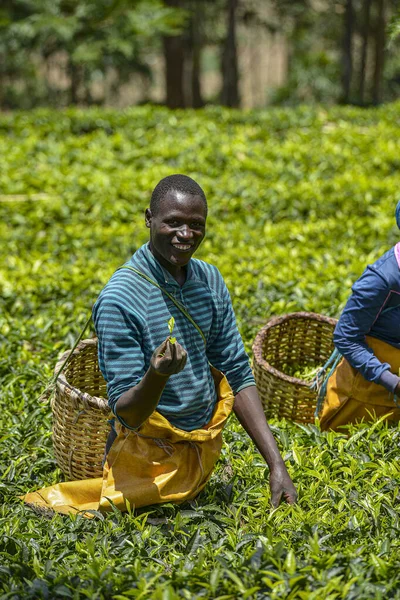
[131, 317]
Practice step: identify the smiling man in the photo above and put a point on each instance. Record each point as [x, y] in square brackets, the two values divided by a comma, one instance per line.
[171, 399]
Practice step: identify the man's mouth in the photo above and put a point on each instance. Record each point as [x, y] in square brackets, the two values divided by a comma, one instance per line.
[183, 247]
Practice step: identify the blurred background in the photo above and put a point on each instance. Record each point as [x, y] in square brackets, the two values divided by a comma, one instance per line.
[188, 53]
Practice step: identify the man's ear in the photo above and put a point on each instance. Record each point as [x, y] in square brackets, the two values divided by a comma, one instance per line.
[148, 217]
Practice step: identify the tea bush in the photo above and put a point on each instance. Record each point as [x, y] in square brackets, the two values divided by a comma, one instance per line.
[299, 202]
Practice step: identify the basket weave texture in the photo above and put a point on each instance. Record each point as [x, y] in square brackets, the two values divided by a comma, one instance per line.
[80, 414]
[296, 339]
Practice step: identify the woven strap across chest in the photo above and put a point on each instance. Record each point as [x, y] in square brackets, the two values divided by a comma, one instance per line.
[178, 304]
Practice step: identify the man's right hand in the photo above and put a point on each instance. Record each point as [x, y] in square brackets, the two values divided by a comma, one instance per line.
[168, 359]
[136, 404]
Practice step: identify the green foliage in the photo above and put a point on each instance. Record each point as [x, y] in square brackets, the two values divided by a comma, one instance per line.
[313, 77]
[300, 201]
[305, 372]
[90, 38]
[394, 28]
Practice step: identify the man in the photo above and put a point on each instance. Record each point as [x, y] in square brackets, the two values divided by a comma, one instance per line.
[169, 405]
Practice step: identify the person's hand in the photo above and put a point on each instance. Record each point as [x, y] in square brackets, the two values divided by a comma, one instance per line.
[168, 359]
[281, 486]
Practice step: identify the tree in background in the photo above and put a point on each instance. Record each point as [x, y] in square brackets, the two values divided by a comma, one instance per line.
[83, 51]
[364, 21]
[347, 51]
[105, 42]
[338, 50]
[230, 70]
[90, 39]
[365, 33]
[207, 22]
[174, 55]
[196, 43]
[394, 29]
[380, 43]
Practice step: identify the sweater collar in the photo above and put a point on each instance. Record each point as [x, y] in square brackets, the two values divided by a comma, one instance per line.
[161, 274]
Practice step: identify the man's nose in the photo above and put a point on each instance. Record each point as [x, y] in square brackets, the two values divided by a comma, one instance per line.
[185, 232]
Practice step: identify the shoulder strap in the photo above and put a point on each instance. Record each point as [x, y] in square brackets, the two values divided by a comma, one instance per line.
[170, 296]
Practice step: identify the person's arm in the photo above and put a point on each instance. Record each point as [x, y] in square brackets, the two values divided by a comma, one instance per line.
[135, 405]
[370, 293]
[133, 389]
[249, 411]
[226, 352]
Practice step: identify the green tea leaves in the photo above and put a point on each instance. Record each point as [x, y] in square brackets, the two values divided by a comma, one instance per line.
[290, 563]
[299, 204]
[171, 325]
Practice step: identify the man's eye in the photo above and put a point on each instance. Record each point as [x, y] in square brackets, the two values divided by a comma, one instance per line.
[197, 224]
[173, 223]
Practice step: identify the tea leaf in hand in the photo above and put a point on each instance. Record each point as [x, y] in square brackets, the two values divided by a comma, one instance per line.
[171, 325]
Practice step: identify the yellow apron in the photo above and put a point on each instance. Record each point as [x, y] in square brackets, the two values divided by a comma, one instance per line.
[158, 463]
[350, 397]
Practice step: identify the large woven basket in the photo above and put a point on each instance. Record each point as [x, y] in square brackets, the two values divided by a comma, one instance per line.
[302, 339]
[80, 414]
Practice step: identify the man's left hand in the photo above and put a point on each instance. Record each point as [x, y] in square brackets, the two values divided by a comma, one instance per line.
[281, 486]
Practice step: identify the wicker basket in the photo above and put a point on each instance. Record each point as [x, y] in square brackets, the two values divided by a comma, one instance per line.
[303, 339]
[80, 414]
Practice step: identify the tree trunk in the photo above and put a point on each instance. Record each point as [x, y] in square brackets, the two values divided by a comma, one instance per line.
[364, 48]
[347, 52]
[379, 53]
[230, 71]
[174, 55]
[87, 88]
[196, 45]
[74, 73]
[3, 75]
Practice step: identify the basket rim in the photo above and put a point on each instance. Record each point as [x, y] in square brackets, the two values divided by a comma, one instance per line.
[273, 322]
[66, 388]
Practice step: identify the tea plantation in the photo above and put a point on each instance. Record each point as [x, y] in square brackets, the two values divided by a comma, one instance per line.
[300, 200]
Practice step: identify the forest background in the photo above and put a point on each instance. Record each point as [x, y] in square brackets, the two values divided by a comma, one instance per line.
[187, 53]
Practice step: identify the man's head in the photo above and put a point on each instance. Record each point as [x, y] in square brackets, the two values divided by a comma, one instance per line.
[177, 220]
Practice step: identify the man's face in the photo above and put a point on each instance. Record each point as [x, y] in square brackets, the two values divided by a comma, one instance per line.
[177, 229]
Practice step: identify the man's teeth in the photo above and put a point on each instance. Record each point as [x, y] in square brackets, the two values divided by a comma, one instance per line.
[182, 246]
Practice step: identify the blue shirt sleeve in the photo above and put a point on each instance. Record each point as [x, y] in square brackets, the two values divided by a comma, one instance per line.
[226, 350]
[369, 295]
[121, 358]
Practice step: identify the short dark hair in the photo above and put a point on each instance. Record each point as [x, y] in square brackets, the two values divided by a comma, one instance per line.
[180, 183]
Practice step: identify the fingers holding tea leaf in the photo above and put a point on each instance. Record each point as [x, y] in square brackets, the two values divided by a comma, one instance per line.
[181, 355]
[161, 349]
[168, 359]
